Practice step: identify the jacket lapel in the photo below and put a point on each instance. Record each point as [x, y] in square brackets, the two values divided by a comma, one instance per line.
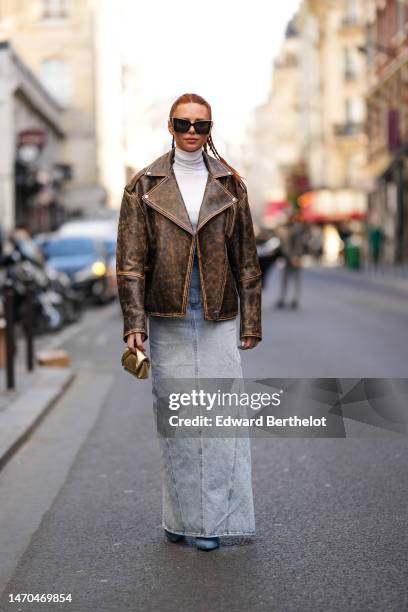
[216, 198]
[166, 196]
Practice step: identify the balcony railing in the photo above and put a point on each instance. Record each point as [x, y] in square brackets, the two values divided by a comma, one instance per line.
[350, 74]
[348, 128]
[351, 21]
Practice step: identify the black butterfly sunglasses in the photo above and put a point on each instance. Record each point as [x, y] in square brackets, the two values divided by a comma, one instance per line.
[202, 126]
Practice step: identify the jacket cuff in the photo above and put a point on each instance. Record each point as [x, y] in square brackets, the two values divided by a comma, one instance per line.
[251, 333]
[126, 334]
[131, 296]
[250, 307]
[138, 323]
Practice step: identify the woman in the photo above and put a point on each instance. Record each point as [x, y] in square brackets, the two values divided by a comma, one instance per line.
[186, 251]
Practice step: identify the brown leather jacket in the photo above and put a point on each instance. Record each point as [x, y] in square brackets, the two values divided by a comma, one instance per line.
[156, 242]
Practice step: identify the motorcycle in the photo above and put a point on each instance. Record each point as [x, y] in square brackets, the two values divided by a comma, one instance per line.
[53, 302]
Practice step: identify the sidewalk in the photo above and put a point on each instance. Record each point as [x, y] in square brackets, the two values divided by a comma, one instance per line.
[36, 392]
[22, 408]
[393, 278]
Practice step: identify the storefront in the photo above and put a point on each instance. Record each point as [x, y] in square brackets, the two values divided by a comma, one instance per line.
[387, 207]
[31, 174]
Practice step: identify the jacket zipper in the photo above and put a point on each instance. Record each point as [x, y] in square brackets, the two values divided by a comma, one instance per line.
[196, 245]
[201, 278]
[189, 273]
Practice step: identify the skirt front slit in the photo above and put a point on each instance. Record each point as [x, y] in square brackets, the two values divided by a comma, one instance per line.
[206, 481]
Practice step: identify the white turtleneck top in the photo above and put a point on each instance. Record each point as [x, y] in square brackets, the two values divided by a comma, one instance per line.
[191, 174]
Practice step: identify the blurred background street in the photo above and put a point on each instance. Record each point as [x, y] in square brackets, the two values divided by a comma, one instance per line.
[310, 105]
[331, 513]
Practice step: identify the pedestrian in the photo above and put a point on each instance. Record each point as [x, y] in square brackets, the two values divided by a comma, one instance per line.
[375, 239]
[186, 252]
[292, 248]
[316, 243]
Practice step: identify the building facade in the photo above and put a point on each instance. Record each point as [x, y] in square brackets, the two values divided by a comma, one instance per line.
[32, 169]
[273, 138]
[333, 106]
[56, 40]
[387, 125]
[314, 118]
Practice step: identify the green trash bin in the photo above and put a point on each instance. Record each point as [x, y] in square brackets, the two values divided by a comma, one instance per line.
[352, 256]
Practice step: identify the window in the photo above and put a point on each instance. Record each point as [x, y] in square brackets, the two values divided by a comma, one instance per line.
[65, 247]
[54, 9]
[56, 77]
[370, 44]
[401, 16]
[350, 63]
[354, 110]
[351, 13]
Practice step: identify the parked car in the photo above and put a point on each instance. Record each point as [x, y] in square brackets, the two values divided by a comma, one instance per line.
[109, 243]
[88, 227]
[104, 230]
[87, 263]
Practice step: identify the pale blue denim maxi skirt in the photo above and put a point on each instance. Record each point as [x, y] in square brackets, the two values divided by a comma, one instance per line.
[207, 481]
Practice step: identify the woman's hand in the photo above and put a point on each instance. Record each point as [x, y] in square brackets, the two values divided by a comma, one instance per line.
[136, 339]
[249, 342]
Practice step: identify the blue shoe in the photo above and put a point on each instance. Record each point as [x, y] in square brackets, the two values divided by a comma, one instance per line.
[173, 537]
[207, 543]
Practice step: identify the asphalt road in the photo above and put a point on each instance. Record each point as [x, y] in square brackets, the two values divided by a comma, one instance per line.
[81, 501]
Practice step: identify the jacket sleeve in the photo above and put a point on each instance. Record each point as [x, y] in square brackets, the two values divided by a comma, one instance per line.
[131, 253]
[246, 269]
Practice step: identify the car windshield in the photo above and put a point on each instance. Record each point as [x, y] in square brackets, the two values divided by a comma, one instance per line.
[70, 246]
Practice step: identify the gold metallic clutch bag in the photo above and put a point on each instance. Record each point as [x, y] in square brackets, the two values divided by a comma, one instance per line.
[137, 363]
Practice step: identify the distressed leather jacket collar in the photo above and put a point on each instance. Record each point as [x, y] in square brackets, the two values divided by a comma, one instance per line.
[166, 198]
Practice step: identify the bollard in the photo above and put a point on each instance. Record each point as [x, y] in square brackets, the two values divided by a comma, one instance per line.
[10, 346]
[28, 325]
